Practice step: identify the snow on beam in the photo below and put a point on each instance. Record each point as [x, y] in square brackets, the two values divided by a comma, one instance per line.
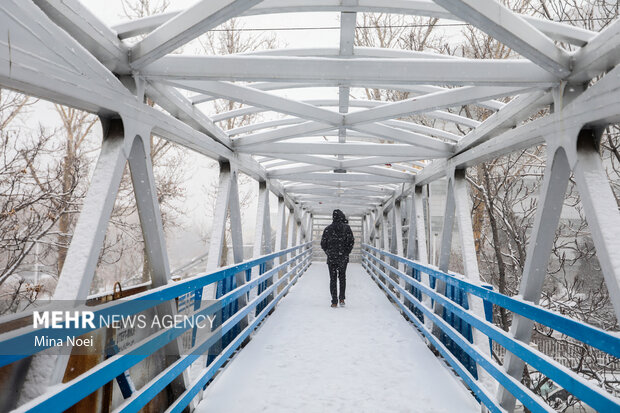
[450, 117]
[87, 29]
[419, 128]
[284, 172]
[250, 96]
[512, 30]
[381, 171]
[184, 27]
[601, 54]
[350, 149]
[555, 30]
[507, 72]
[513, 113]
[597, 106]
[360, 178]
[279, 134]
[338, 164]
[398, 135]
[177, 105]
[433, 101]
[378, 189]
[419, 89]
[407, 125]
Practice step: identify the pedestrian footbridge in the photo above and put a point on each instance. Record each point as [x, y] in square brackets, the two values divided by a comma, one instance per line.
[416, 335]
[399, 344]
[310, 357]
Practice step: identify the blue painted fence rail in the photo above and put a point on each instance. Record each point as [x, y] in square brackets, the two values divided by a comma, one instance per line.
[454, 333]
[67, 394]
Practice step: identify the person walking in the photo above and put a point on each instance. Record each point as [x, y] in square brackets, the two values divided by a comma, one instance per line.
[337, 242]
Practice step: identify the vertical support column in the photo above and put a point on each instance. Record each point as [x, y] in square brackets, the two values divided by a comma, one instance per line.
[539, 249]
[262, 234]
[429, 226]
[470, 262]
[281, 227]
[145, 191]
[420, 246]
[88, 237]
[79, 268]
[218, 230]
[397, 240]
[445, 249]
[601, 210]
[227, 202]
[291, 233]
[299, 228]
[385, 240]
[281, 235]
[310, 227]
[236, 235]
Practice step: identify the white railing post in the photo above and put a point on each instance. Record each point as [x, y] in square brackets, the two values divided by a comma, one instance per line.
[262, 230]
[417, 220]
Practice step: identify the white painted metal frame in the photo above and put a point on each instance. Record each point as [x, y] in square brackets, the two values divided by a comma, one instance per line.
[58, 50]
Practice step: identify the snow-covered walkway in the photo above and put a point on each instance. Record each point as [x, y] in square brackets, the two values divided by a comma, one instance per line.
[309, 357]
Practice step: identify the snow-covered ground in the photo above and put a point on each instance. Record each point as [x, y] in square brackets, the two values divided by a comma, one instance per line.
[309, 357]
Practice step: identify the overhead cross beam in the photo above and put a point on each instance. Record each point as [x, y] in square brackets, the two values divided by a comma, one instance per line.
[250, 96]
[512, 30]
[185, 26]
[450, 117]
[507, 72]
[347, 149]
[555, 30]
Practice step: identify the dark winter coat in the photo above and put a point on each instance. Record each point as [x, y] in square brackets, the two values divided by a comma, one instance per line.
[337, 240]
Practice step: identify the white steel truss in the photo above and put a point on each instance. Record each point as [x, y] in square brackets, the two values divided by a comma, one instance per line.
[370, 158]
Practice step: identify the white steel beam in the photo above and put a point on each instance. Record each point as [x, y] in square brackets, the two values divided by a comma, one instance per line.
[423, 129]
[288, 132]
[320, 190]
[597, 106]
[548, 211]
[417, 89]
[398, 135]
[601, 54]
[451, 117]
[178, 106]
[517, 110]
[284, 172]
[507, 72]
[250, 96]
[426, 103]
[339, 164]
[89, 31]
[350, 149]
[512, 30]
[555, 30]
[186, 26]
[359, 178]
[78, 271]
[262, 230]
[381, 171]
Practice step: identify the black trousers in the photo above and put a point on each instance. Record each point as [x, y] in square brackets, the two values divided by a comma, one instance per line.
[337, 271]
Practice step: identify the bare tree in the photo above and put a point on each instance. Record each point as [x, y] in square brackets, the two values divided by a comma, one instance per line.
[27, 211]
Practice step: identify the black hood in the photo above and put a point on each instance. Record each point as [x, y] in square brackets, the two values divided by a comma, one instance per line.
[338, 216]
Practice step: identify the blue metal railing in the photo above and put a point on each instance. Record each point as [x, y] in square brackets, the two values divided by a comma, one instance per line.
[67, 394]
[594, 396]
